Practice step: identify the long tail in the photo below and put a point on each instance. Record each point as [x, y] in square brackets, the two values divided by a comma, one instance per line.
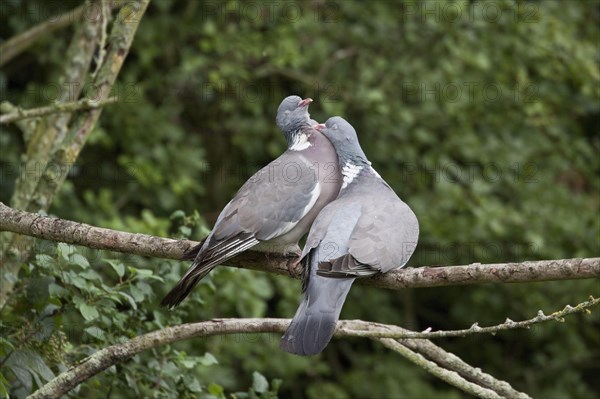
[183, 288]
[313, 324]
[207, 258]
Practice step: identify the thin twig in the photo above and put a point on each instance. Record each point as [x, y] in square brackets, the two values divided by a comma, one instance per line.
[83, 104]
[451, 377]
[105, 15]
[583, 307]
[452, 362]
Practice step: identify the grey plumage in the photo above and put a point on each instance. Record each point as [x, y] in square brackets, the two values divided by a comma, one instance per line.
[276, 206]
[365, 231]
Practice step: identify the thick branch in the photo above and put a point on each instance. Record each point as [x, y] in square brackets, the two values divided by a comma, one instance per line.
[61, 148]
[83, 104]
[117, 353]
[121, 38]
[41, 142]
[442, 364]
[54, 229]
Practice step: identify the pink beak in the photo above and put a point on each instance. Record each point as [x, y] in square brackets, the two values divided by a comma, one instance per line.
[320, 126]
[305, 102]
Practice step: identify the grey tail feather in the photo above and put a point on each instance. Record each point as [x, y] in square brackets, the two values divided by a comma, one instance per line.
[313, 325]
[183, 288]
[204, 263]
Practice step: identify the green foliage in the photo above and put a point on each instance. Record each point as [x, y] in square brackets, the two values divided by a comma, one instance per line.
[482, 115]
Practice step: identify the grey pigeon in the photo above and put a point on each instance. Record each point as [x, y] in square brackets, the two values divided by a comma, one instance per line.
[367, 230]
[277, 205]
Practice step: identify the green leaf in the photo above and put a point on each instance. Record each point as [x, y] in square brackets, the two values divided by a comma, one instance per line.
[38, 365]
[194, 385]
[178, 214]
[187, 363]
[87, 311]
[185, 231]
[129, 299]
[26, 364]
[118, 267]
[145, 288]
[3, 387]
[77, 281]
[79, 260]
[5, 345]
[45, 261]
[141, 272]
[136, 293]
[259, 383]
[95, 332]
[215, 389]
[23, 375]
[90, 274]
[208, 359]
[57, 291]
[144, 274]
[65, 250]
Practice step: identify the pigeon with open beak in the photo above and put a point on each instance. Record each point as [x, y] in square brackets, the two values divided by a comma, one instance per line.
[277, 205]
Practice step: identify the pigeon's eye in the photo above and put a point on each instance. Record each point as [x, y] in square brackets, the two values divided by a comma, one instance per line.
[287, 112]
[335, 127]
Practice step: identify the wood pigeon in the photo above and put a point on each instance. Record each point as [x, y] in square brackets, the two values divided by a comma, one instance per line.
[277, 205]
[367, 230]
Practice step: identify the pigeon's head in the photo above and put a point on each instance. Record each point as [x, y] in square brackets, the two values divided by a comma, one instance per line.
[292, 116]
[343, 137]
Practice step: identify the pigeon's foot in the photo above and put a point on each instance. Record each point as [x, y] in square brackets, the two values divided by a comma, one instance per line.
[292, 251]
[295, 254]
[293, 267]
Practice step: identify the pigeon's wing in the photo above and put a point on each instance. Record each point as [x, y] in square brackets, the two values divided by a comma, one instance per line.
[267, 206]
[386, 235]
[320, 226]
[330, 233]
[274, 200]
[384, 238]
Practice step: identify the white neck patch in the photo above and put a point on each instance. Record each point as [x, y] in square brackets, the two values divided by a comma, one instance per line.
[300, 142]
[350, 171]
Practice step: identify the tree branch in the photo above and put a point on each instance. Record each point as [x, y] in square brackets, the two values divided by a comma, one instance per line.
[475, 329]
[451, 377]
[444, 365]
[42, 141]
[450, 361]
[61, 148]
[121, 38]
[83, 104]
[117, 353]
[61, 230]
